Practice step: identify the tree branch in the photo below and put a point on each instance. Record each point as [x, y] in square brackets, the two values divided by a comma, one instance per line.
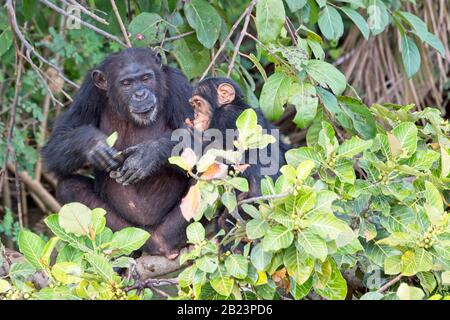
[390, 283]
[122, 27]
[28, 46]
[84, 23]
[233, 28]
[241, 36]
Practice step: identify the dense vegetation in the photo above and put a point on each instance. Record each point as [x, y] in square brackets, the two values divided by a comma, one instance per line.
[359, 87]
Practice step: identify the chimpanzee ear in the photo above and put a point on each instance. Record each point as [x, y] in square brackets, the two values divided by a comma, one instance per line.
[225, 93]
[99, 79]
[158, 57]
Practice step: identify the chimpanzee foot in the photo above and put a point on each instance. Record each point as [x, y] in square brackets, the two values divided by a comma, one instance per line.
[158, 245]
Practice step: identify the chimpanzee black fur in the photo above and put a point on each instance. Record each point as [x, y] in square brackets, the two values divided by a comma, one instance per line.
[224, 115]
[132, 93]
[218, 102]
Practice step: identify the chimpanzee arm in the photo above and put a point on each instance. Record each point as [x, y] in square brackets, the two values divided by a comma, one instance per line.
[75, 133]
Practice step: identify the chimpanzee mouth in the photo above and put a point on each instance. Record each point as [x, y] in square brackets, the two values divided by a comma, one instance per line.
[145, 116]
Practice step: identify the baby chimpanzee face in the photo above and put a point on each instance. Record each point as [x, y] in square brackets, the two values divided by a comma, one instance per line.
[209, 95]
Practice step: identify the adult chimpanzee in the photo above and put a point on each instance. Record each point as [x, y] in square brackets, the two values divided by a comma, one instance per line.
[132, 93]
[217, 103]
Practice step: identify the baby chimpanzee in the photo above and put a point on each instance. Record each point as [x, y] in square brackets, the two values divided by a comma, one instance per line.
[217, 103]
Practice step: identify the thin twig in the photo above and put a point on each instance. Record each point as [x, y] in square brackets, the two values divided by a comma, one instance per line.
[177, 37]
[122, 27]
[12, 121]
[84, 23]
[264, 198]
[390, 283]
[18, 190]
[86, 11]
[233, 28]
[241, 37]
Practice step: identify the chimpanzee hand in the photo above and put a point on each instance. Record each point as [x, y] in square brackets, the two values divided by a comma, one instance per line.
[141, 161]
[104, 157]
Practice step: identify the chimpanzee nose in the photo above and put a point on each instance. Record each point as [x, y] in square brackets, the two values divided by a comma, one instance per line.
[140, 95]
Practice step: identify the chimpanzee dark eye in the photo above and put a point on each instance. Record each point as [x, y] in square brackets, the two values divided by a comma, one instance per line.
[146, 77]
[125, 82]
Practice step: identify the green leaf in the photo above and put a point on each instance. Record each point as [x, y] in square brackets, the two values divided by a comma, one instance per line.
[434, 42]
[4, 286]
[128, 240]
[111, 140]
[304, 98]
[21, 270]
[260, 258]
[32, 246]
[146, 29]
[98, 220]
[312, 244]
[270, 16]
[229, 201]
[363, 120]
[69, 254]
[191, 56]
[101, 266]
[416, 261]
[358, 20]
[237, 266]
[336, 286]
[195, 232]
[393, 264]
[221, 282]
[304, 169]
[378, 16]
[256, 228]
[239, 183]
[6, 40]
[295, 156]
[76, 218]
[48, 249]
[207, 263]
[298, 266]
[202, 17]
[246, 122]
[433, 200]
[352, 147]
[330, 23]
[344, 170]
[328, 226]
[406, 133]
[274, 95]
[410, 56]
[56, 293]
[326, 75]
[421, 30]
[67, 272]
[295, 5]
[179, 161]
[277, 237]
[405, 292]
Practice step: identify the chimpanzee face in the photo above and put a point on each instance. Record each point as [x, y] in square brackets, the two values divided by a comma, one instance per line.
[133, 88]
[207, 97]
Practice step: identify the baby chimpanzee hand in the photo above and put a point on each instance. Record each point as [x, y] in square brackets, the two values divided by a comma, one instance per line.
[104, 157]
[141, 161]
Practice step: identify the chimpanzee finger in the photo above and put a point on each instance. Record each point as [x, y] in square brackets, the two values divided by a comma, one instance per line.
[114, 174]
[125, 173]
[129, 151]
[108, 157]
[135, 177]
